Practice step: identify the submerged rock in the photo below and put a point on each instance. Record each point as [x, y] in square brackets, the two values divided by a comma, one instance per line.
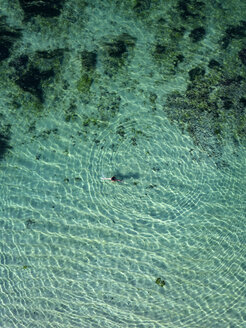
[141, 6]
[242, 55]
[47, 8]
[197, 34]
[116, 48]
[196, 73]
[31, 81]
[117, 51]
[190, 9]
[4, 145]
[233, 32]
[8, 36]
[89, 60]
[20, 63]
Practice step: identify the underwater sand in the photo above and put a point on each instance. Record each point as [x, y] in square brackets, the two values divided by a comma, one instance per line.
[163, 248]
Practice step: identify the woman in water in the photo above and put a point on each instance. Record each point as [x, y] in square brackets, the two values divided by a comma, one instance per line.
[112, 179]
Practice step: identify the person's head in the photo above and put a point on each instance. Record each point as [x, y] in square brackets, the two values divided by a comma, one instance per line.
[113, 179]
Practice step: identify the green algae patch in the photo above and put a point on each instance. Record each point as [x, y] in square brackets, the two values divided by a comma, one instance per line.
[135, 8]
[92, 121]
[212, 109]
[84, 83]
[116, 52]
[167, 51]
[70, 113]
[167, 56]
[88, 72]
[106, 107]
[25, 267]
[27, 103]
[240, 132]
[160, 282]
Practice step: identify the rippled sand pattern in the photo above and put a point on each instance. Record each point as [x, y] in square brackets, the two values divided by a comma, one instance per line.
[77, 251]
[163, 248]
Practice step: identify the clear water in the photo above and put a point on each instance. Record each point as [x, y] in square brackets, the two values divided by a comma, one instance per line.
[163, 248]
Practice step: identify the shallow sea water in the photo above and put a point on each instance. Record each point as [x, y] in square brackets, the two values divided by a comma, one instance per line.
[163, 248]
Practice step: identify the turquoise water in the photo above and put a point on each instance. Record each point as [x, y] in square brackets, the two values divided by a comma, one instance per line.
[166, 246]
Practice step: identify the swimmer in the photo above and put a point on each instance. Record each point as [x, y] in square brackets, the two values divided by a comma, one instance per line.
[112, 179]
